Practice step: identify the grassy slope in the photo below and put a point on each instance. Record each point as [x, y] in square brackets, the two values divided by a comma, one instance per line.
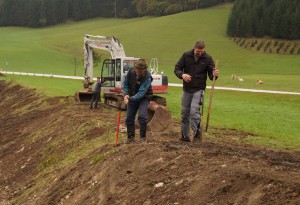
[274, 117]
[164, 37]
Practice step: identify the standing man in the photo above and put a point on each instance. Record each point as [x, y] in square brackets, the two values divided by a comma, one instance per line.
[193, 68]
[137, 95]
[96, 94]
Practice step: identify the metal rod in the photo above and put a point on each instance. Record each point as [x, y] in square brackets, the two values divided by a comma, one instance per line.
[118, 126]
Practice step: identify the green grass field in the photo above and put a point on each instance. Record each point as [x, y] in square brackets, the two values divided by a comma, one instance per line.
[273, 118]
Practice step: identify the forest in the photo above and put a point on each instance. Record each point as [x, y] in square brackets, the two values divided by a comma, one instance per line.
[265, 18]
[249, 18]
[41, 13]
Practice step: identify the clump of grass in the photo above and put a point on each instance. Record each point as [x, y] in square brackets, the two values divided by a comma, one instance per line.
[100, 157]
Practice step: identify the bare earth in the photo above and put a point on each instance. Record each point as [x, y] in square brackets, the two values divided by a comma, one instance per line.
[56, 151]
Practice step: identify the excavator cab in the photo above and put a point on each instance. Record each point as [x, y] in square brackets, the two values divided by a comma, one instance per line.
[113, 72]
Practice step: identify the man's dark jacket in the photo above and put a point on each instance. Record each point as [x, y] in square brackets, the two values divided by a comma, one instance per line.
[97, 87]
[198, 70]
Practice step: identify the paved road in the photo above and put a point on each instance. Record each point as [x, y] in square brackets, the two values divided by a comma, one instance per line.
[170, 84]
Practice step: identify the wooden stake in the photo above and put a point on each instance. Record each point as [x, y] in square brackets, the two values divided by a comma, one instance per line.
[211, 96]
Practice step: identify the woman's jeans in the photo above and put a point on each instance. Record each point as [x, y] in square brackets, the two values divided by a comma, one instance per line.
[190, 113]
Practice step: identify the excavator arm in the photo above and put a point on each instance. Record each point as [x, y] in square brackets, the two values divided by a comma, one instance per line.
[107, 43]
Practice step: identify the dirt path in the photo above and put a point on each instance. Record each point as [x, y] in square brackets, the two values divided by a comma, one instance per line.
[55, 151]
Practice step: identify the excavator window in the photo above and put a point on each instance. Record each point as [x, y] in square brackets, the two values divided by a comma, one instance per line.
[108, 73]
[127, 64]
[118, 69]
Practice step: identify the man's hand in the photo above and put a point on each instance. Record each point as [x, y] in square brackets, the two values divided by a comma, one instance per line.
[126, 99]
[186, 77]
[103, 80]
[216, 72]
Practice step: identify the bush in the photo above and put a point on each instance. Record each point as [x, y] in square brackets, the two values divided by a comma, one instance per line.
[173, 9]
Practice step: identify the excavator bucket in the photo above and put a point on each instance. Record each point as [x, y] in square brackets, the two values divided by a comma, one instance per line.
[159, 118]
[83, 96]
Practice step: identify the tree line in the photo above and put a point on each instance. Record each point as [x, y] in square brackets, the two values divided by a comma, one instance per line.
[249, 18]
[260, 18]
[40, 13]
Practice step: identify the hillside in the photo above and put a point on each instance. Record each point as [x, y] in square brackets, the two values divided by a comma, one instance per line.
[52, 49]
[56, 151]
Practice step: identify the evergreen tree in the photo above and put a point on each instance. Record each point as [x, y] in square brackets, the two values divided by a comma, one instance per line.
[85, 8]
[51, 14]
[295, 22]
[75, 10]
[33, 16]
[42, 21]
[125, 9]
[6, 12]
[96, 8]
[62, 8]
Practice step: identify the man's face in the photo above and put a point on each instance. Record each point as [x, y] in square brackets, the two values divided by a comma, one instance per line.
[198, 51]
[139, 71]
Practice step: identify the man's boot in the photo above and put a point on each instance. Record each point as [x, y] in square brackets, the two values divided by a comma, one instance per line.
[130, 133]
[143, 130]
[198, 135]
[185, 139]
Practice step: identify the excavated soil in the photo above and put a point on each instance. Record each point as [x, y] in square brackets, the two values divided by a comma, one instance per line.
[57, 151]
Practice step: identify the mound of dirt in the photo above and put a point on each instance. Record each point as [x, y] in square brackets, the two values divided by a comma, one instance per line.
[56, 151]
